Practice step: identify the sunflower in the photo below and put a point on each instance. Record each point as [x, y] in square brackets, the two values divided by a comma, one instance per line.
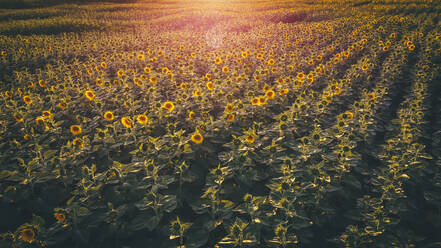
[244, 54]
[60, 217]
[197, 93]
[41, 83]
[183, 86]
[75, 129]
[300, 75]
[31, 84]
[104, 65]
[262, 100]
[169, 106]
[229, 108]
[18, 117]
[39, 120]
[210, 85]
[153, 80]
[348, 115]
[225, 69]
[255, 101]
[62, 105]
[283, 92]
[160, 53]
[250, 138]
[142, 119]
[89, 94]
[8, 94]
[230, 117]
[270, 94]
[218, 60]
[270, 62]
[27, 137]
[27, 235]
[364, 68]
[147, 70]
[141, 57]
[126, 122]
[78, 143]
[164, 70]
[120, 73]
[191, 115]
[108, 116]
[27, 100]
[47, 114]
[197, 138]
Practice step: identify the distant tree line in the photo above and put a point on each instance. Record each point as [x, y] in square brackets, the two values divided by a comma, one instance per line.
[18, 4]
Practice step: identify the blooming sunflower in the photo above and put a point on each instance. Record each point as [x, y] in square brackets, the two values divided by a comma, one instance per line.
[348, 115]
[270, 94]
[27, 100]
[225, 69]
[78, 142]
[89, 94]
[47, 114]
[197, 138]
[210, 85]
[75, 129]
[126, 122]
[230, 117]
[191, 115]
[108, 116]
[142, 119]
[250, 138]
[169, 106]
[229, 108]
[39, 120]
[147, 70]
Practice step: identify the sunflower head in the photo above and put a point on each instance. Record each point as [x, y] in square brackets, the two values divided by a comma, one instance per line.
[47, 114]
[75, 129]
[89, 94]
[270, 94]
[169, 106]
[230, 117]
[39, 120]
[108, 116]
[126, 122]
[78, 143]
[28, 235]
[18, 117]
[142, 119]
[197, 138]
[60, 217]
[191, 115]
[27, 99]
[229, 108]
[250, 138]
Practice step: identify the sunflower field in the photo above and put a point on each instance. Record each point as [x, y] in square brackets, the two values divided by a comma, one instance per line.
[220, 123]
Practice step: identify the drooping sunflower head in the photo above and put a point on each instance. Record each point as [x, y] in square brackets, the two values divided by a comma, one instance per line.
[39, 120]
[18, 117]
[47, 114]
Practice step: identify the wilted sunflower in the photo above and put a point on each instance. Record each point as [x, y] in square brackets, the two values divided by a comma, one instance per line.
[89, 94]
[169, 106]
[142, 119]
[197, 138]
[27, 235]
[60, 217]
[126, 122]
[108, 116]
[75, 129]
